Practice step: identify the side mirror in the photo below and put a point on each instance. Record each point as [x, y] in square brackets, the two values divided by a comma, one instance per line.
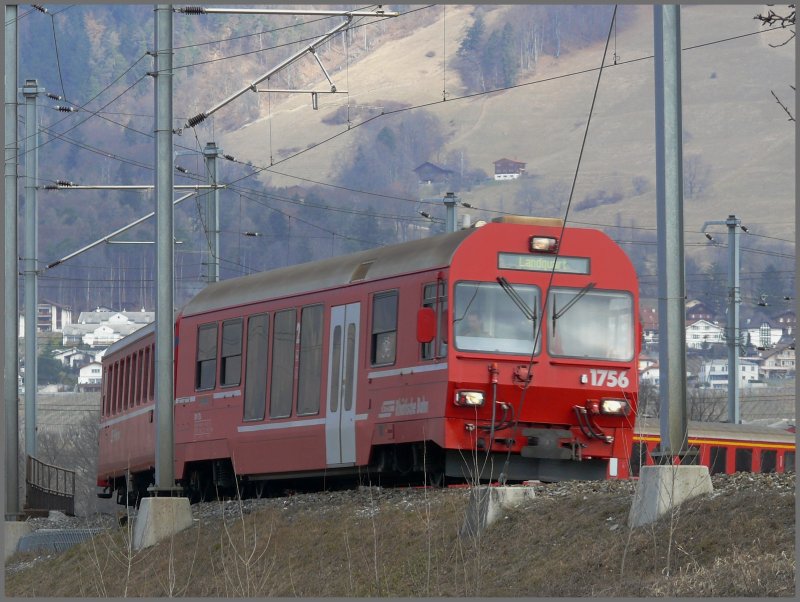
[426, 325]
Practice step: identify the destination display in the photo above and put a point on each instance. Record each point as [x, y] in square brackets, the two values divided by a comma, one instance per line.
[543, 263]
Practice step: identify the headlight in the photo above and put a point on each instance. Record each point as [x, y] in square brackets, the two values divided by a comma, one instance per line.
[616, 407]
[469, 398]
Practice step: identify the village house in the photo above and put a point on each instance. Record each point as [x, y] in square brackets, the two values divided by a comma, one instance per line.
[508, 169]
[701, 333]
[90, 377]
[714, 373]
[778, 362]
[428, 173]
[50, 317]
[101, 328]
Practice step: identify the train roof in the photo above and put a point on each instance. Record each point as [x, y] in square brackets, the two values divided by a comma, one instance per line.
[373, 264]
[719, 430]
[136, 335]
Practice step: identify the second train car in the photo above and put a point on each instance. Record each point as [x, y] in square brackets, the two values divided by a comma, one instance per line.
[507, 350]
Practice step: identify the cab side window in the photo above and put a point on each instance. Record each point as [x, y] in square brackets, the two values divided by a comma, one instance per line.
[384, 329]
[435, 296]
[231, 366]
[206, 371]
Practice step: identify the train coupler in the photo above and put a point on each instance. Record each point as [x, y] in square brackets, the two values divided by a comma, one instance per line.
[554, 444]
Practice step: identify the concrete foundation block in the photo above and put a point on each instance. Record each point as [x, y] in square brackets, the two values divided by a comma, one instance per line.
[13, 531]
[486, 505]
[159, 518]
[663, 488]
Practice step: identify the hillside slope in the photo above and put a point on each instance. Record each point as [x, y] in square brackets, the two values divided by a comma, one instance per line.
[733, 129]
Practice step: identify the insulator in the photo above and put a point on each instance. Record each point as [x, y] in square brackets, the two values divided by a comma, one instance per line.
[64, 109]
[194, 10]
[54, 96]
[66, 183]
[229, 157]
[181, 169]
[50, 187]
[199, 118]
[40, 8]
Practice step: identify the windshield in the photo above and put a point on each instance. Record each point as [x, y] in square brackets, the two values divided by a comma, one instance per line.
[485, 318]
[596, 325]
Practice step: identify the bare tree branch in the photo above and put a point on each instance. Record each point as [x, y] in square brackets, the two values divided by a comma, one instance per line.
[783, 106]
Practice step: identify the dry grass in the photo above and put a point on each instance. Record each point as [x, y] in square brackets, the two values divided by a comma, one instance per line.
[726, 544]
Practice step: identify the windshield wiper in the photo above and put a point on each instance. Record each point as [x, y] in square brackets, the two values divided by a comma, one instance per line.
[573, 301]
[517, 299]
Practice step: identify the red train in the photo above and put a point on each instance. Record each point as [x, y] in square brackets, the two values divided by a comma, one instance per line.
[505, 351]
[724, 448]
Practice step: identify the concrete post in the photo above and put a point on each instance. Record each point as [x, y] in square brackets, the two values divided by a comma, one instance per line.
[734, 299]
[11, 251]
[669, 201]
[31, 92]
[164, 352]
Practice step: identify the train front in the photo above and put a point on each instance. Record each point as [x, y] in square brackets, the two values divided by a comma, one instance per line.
[543, 362]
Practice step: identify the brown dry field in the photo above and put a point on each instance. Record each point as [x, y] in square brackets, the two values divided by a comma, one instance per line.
[572, 540]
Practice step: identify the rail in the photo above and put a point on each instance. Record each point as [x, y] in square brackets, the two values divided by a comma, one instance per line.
[49, 487]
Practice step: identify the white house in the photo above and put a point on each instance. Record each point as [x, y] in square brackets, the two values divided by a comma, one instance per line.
[73, 357]
[714, 373]
[778, 362]
[103, 327]
[764, 336]
[90, 377]
[700, 333]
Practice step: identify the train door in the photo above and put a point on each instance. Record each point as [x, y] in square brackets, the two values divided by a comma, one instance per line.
[340, 431]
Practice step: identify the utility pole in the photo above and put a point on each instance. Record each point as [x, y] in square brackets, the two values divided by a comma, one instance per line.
[210, 154]
[669, 210]
[165, 325]
[732, 324]
[31, 92]
[661, 488]
[11, 252]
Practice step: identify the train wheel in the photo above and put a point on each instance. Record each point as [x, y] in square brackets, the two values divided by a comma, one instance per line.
[199, 486]
[436, 477]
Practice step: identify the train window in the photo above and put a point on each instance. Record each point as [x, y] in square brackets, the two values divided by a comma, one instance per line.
[717, 459]
[206, 374]
[310, 370]
[231, 356]
[126, 387]
[350, 360]
[136, 375]
[152, 372]
[117, 387]
[106, 389]
[280, 395]
[435, 296]
[594, 324]
[146, 375]
[255, 382]
[384, 328]
[486, 318]
[788, 461]
[744, 460]
[769, 459]
[336, 367]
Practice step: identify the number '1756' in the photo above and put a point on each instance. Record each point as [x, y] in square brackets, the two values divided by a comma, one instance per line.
[610, 378]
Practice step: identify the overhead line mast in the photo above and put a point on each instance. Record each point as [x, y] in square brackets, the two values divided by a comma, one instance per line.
[311, 48]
